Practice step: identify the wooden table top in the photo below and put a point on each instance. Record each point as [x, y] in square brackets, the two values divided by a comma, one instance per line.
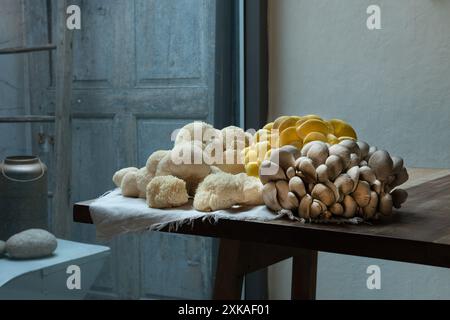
[418, 233]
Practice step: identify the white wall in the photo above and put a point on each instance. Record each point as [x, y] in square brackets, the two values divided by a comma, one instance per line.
[392, 85]
[12, 98]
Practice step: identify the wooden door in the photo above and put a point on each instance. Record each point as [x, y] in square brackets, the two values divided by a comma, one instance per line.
[141, 69]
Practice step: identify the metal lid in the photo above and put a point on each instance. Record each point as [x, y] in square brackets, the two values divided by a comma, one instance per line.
[22, 168]
[21, 160]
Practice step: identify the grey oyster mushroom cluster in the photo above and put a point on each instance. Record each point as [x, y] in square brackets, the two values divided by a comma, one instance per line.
[323, 181]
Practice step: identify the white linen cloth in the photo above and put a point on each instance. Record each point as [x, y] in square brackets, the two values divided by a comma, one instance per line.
[114, 214]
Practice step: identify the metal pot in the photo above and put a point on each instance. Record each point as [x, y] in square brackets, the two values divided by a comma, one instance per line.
[23, 195]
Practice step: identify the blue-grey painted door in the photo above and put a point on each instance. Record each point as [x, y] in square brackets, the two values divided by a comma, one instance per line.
[141, 69]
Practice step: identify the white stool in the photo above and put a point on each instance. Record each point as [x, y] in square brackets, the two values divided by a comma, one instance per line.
[47, 278]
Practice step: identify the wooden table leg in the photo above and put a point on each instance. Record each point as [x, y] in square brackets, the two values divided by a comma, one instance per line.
[304, 275]
[228, 284]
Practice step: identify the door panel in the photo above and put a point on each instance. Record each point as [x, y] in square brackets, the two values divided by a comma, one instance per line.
[154, 134]
[169, 38]
[141, 69]
[176, 259]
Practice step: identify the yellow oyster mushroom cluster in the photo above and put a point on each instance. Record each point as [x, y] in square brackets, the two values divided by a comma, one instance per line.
[296, 131]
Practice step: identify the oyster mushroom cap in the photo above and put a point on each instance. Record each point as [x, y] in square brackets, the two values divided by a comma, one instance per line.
[370, 210]
[344, 184]
[354, 160]
[377, 186]
[283, 158]
[307, 146]
[315, 210]
[292, 150]
[363, 163]
[372, 150]
[286, 199]
[290, 173]
[350, 206]
[399, 196]
[322, 176]
[367, 174]
[362, 194]
[397, 165]
[318, 153]
[307, 169]
[297, 187]
[381, 164]
[352, 146]
[305, 206]
[270, 171]
[342, 152]
[322, 173]
[354, 173]
[335, 166]
[323, 193]
[364, 148]
[337, 209]
[385, 204]
[400, 178]
[269, 194]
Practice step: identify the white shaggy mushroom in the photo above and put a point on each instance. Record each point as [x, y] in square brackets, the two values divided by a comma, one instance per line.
[190, 172]
[118, 176]
[252, 190]
[154, 159]
[166, 192]
[223, 190]
[129, 185]
[195, 131]
[143, 178]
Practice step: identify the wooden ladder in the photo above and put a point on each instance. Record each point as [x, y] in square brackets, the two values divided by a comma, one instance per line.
[61, 225]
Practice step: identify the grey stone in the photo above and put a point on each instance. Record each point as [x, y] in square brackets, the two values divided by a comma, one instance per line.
[2, 247]
[32, 243]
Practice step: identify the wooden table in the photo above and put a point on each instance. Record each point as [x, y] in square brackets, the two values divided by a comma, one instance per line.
[417, 233]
